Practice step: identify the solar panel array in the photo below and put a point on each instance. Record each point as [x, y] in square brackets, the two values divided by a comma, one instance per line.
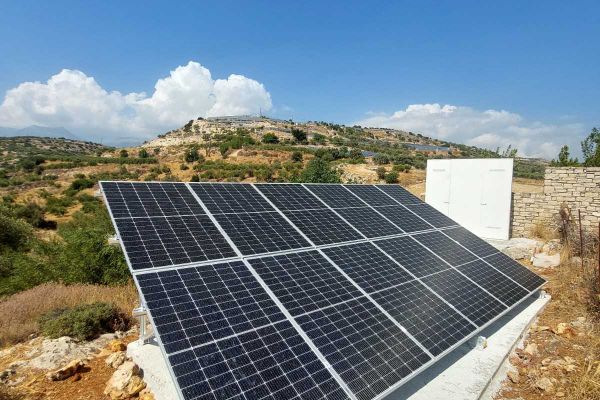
[306, 291]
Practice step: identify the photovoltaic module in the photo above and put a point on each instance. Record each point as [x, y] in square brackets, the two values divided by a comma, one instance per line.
[305, 291]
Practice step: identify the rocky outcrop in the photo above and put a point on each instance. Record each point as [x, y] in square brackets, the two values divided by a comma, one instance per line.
[125, 382]
[67, 371]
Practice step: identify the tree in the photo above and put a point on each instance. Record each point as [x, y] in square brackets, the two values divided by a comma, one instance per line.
[319, 171]
[391, 177]
[509, 152]
[208, 144]
[590, 147]
[270, 138]
[143, 153]
[123, 153]
[299, 135]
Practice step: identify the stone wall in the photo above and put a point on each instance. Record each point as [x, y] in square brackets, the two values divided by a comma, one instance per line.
[577, 187]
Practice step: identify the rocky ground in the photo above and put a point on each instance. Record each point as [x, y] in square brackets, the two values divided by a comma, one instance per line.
[64, 369]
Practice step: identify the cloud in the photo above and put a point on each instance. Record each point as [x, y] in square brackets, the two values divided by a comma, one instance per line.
[76, 101]
[489, 129]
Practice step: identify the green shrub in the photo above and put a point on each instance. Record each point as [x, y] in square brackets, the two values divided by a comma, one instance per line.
[381, 172]
[299, 135]
[381, 159]
[319, 170]
[81, 183]
[296, 156]
[391, 177]
[270, 138]
[143, 153]
[124, 153]
[84, 322]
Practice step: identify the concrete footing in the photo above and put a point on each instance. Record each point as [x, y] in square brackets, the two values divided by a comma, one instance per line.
[472, 371]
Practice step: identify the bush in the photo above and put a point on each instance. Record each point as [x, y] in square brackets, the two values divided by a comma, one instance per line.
[123, 153]
[83, 322]
[296, 156]
[191, 154]
[381, 172]
[270, 138]
[299, 135]
[195, 178]
[319, 170]
[184, 167]
[81, 183]
[391, 177]
[143, 153]
[381, 159]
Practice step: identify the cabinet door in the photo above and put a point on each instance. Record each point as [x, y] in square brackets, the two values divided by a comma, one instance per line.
[496, 199]
[437, 185]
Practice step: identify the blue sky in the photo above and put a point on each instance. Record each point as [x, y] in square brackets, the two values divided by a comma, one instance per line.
[535, 65]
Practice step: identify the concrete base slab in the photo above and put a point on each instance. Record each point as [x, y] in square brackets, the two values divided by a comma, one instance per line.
[473, 372]
[468, 373]
[156, 374]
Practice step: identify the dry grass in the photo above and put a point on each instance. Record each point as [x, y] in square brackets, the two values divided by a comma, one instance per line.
[543, 231]
[19, 313]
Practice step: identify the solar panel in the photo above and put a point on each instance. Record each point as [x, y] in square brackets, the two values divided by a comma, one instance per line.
[471, 242]
[404, 219]
[431, 215]
[371, 195]
[431, 321]
[163, 241]
[505, 289]
[445, 247]
[335, 196]
[463, 294]
[260, 232]
[322, 226]
[290, 197]
[368, 222]
[365, 347]
[221, 198]
[272, 362]
[290, 291]
[127, 199]
[195, 305]
[399, 194]
[304, 282]
[412, 256]
[516, 271]
[368, 266]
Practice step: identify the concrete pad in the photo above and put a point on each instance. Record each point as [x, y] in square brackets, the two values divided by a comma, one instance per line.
[467, 373]
[471, 372]
[154, 368]
[516, 248]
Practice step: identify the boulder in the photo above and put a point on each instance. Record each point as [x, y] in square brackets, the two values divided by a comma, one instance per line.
[67, 371]
[125, 382]
[114, 360]
[545, 260]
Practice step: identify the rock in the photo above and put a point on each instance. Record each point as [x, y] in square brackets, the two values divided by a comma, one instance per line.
[67, 371]
[514, 376]
[545, 384]
[564, 329]
[542, 328]
[551, 246]
[531, 349]
[117, 345]
[125, 382]
[50, 354]
[76, 377]
[560, 394]
[516, 248]
[114, 360]
[146, 394]
[545, 260]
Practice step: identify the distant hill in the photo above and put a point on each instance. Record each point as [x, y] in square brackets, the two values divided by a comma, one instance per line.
[38, 131]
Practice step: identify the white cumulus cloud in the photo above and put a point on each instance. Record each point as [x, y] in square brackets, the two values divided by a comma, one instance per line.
[76, 101]
[489, 128]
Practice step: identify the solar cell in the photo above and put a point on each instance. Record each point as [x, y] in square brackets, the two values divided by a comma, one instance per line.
[138, 199]
[494, 282]
[260, 232]
[368, 222]
[230, 198]
[469, 299]
[445, 247]
[516, 271]
[163, 241]
[431, 215]
[305, 281]
[399, 194]
[371, 269]
[412, 256]
[335, 196]
[471, 242]
[195, 305]
[322, 226]
[371, 195]
[290, 196]
[365, 347]
[272, 362]
[431, 321]
[404, 219]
